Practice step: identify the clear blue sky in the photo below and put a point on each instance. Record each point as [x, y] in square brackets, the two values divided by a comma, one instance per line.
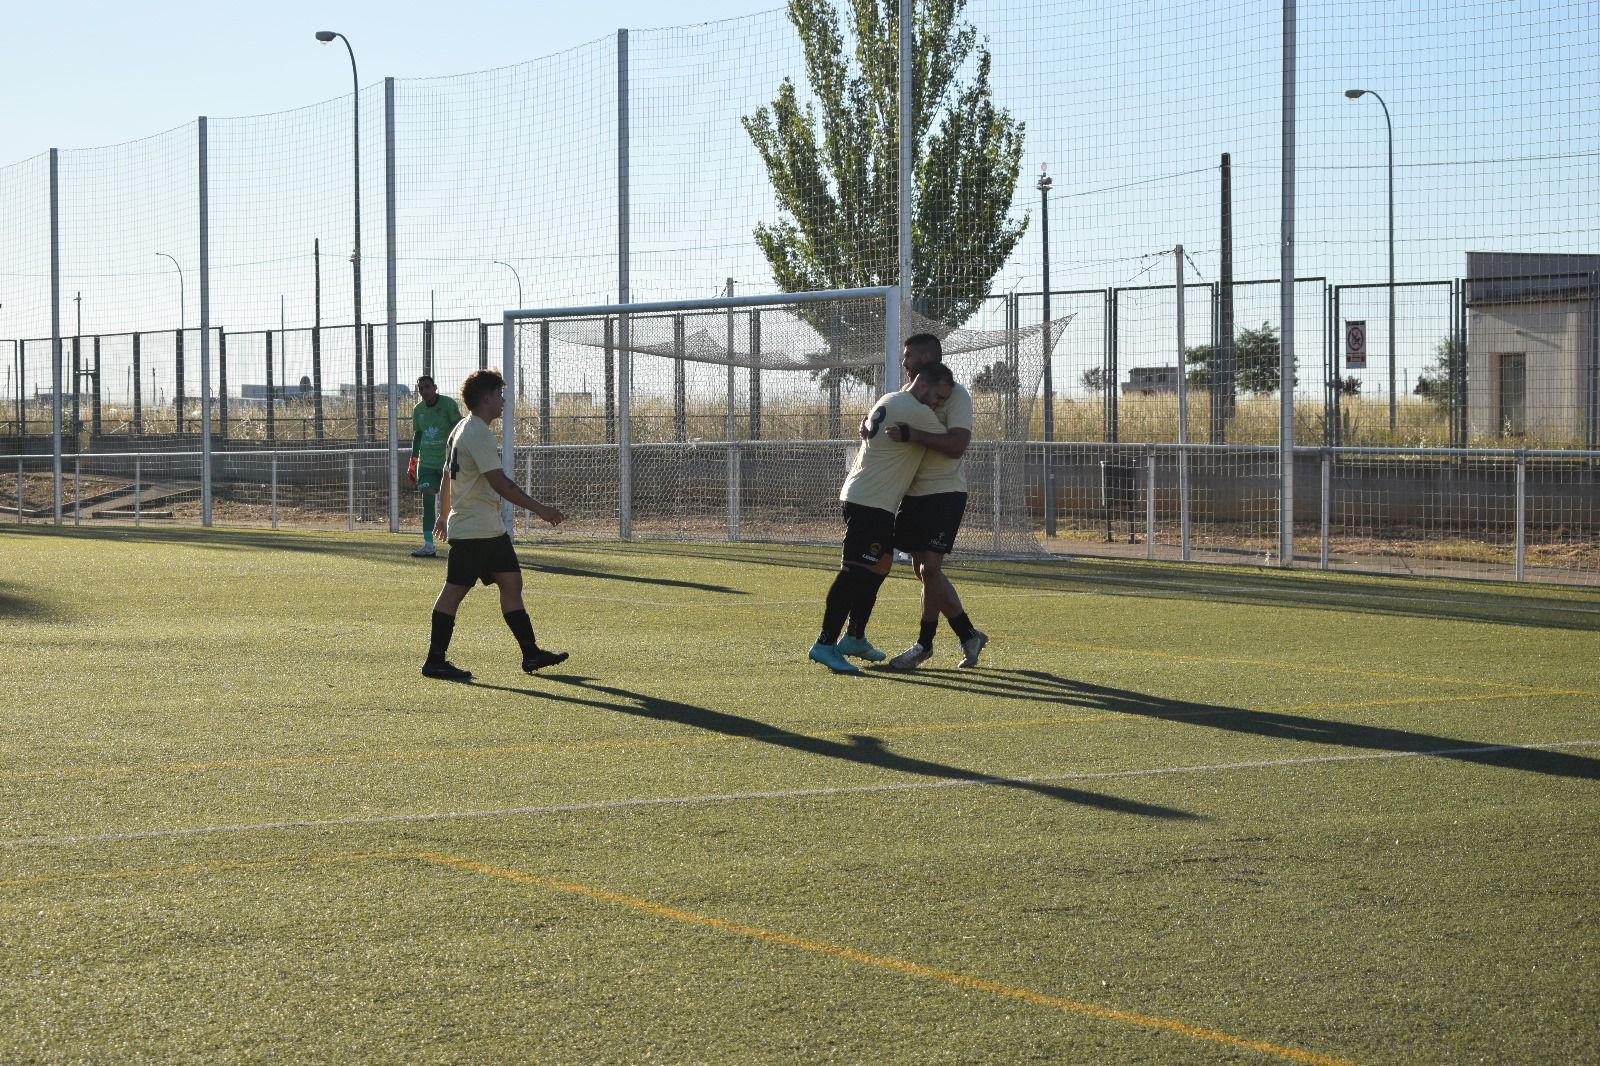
[91, 73]
[1129, 103]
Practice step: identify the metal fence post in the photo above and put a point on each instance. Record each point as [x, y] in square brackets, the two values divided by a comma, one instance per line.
[77, 490]
[1327, 500]
[205, 332]
[391, 287]
[994, 493]
[1522, 514]
[1149, 502]
[19, 490]
[274, 490]
[350, 494]
[137, 481]
[527, 484]
[55, 337]
[624, 357]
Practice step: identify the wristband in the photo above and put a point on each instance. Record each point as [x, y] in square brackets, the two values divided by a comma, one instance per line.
[905, 431]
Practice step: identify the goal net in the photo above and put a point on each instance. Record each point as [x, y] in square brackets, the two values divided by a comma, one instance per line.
[735, 419]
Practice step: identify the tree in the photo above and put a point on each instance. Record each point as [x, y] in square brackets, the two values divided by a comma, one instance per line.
[834, 165]
[1255, 352]
[1094, 379]
[1433, 384]
[996, 377]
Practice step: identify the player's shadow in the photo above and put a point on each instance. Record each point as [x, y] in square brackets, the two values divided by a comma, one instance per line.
[1043, 687]
[24, 608]
[603, 575]
[860, 749]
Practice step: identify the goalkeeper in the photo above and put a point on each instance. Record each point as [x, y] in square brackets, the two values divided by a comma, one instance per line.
[431, 423]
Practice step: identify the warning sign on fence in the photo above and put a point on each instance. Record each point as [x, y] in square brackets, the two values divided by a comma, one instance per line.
[1355, 345]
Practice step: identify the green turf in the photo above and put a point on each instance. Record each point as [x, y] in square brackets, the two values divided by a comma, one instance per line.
[1199, 849]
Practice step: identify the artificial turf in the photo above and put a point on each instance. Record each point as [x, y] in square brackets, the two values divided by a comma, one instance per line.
[1177, 814]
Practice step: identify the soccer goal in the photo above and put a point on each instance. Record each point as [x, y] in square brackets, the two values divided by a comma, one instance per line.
[735, 418]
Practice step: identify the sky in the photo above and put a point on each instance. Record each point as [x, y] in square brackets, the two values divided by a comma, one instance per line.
[506, 190]
[119, 71]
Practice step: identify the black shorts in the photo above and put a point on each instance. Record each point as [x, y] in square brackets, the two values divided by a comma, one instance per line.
[868, 534]
[929, 523]
[479, 559]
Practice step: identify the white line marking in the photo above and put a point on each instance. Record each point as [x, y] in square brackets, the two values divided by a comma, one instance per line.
[796, 793]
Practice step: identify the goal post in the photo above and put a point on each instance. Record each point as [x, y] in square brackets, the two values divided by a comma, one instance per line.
[625, 315]
[735, 418]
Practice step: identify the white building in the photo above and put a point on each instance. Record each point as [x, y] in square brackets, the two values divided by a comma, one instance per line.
[1531, 345]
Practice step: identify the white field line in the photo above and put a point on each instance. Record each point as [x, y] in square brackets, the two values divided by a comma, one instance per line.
[794, 793]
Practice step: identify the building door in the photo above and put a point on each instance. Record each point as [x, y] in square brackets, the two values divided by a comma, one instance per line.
[1513, 371]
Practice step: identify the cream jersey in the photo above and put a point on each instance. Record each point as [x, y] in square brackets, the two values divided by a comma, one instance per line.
[938, 472]
[884, 467]
[474, 505]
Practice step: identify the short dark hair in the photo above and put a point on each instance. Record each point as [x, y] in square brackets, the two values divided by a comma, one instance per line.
[925, 344]
[425, 379]
[479, 384]
[937, 373]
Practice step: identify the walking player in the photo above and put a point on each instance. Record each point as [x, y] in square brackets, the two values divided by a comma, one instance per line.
[480, 547]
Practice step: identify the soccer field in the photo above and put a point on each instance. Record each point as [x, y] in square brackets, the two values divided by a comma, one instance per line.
[1179, 814]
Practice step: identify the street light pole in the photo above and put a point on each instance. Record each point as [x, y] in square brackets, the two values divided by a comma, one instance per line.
[326, 37]
[1356, 94]
[522, 392]
[181, 317]
[1044, 340]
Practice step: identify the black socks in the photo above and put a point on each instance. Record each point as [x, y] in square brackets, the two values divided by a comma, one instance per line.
[963, 627]
[521, 627]
[927, 632]
[867, 586]
[439, 640]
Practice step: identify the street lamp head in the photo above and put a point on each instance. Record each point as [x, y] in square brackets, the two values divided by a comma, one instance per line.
[1354, 94]
[1044, 180]
[326, 36]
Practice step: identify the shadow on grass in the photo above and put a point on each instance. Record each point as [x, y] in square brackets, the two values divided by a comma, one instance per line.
[1554, 607]
[859, 749]
[1042, 687]
[338, 544]
[16, 606]
[604, 575]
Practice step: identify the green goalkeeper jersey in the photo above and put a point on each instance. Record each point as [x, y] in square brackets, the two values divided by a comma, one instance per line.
[430, 429]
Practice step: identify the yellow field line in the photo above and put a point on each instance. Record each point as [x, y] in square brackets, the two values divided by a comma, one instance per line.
[1281, 665]
[934, 973]
[976, 984]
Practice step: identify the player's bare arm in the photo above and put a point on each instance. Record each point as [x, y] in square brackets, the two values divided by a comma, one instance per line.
[952, 442]
[442, 524]
[508, 490]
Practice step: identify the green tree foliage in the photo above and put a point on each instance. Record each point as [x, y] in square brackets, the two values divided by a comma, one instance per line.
[1256, 353]
[833, 164]
[996, 377]
[1433, 384]
[1094, 379]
